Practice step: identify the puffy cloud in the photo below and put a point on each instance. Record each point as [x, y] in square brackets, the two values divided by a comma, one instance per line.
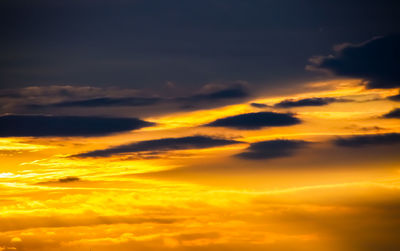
[272, 149]
[375, 61]
[64, 126]
[368, 140]
[251, 121]
[161, 145]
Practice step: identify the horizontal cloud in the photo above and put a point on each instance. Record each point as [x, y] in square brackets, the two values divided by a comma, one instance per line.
[161, 145]
[288, 103]
[64, 126]
[272, 149]
[368, 140]
[236, 91]
[258, 105]
[96, 102]
[393, 114]
[69, 179]
[256, 120]
[395, 97]
[375, 61]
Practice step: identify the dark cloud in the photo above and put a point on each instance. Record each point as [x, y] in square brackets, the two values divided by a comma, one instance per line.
[119, 42]
[161, 145]
[64, 126]
[393, 114]
[68, 179]
[65, 180]
[236, 91]
[395, 97]
[252, 121]
[272, 149]
[213, 94]
[96, 102]
[258, 105]
[230, 92]
[375, 61]
[288, 103]
[368, 140]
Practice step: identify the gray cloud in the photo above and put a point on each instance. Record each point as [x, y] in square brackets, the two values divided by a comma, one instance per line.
[65, 126]
[272, 149]
[393, 114]
[252, 121]
[161, 145]
[375, 61]
[289, 103]
[368, 140]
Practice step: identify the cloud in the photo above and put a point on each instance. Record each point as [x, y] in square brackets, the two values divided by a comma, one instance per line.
[395, 97]
[375, 61]
[393, 114]
[68, 179]
[368, 140]
[252, 121]
[234, 91]
[65, 180]
[258, 105]
[272, 149]
[288, 103]
[161, 145]
[65, 126]
[213, 93]
[97, 102]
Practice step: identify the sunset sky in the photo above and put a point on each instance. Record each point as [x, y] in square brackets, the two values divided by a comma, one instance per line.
[199, 125]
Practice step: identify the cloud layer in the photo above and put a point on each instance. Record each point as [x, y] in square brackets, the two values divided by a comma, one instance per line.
[289, 103]
[64, 126]
[252, 121]
[368, 140]
[272, 149]
[161, 145]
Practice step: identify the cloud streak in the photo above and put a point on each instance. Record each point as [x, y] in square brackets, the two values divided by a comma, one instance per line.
[272, 149]
[253, 121]
[368, 140]
[161, 145]
[65, 126]
[289, 103]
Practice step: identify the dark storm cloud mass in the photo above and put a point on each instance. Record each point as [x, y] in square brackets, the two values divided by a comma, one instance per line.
[393, 114]
[272, 149]
[289, 103]
[376, 61]
[150, 42]
[253, 121]
[162, 145]
[368, 140]
[64, 126]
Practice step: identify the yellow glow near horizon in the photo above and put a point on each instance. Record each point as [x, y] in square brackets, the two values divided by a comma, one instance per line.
[317, 198]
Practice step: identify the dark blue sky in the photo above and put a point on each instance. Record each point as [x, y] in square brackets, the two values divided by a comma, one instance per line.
[146, 43]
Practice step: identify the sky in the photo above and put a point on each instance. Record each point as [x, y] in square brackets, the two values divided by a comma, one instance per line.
[199, 125]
